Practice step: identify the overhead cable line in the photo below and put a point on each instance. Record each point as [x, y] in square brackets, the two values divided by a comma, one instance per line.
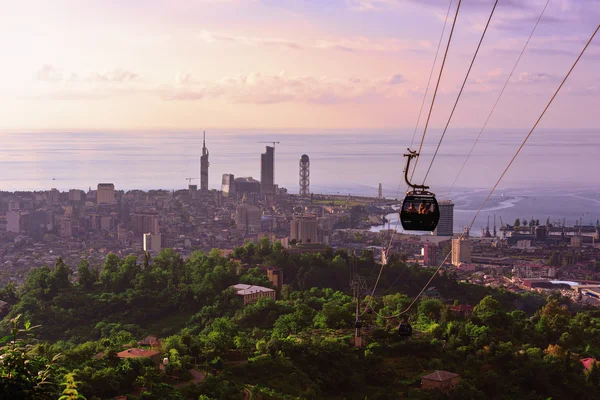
[461, 90]
[423, 102]
[431, 73]
[437, 85]
[501, 176]
[499, 96]
[427, 123]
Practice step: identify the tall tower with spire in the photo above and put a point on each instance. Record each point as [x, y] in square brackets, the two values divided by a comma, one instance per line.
[204, 166]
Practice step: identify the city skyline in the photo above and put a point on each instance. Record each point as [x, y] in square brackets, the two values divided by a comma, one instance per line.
[288, 64]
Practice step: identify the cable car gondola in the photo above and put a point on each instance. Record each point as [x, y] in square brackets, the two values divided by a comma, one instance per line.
[420, 211]
[404, 329]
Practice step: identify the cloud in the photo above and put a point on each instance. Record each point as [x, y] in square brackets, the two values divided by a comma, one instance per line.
[535, 77]
[356, 44]
[397, 79]
[382, 5]
[256, 88]
[48, 73]
[212, 37]
[114, 76]
[62, 85]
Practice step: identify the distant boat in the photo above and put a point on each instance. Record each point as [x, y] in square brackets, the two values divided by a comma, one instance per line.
[53, 179]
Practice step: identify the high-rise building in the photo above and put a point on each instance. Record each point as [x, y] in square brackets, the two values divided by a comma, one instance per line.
[304, 229]
[152, 242]
[76, 195]
[461, 251]
[445, 226]
[228, 185]
[107, 223]
[304, 176]
[66, 229]
[105, 193]
[192, 189]
[204, 164]
[430, 254]
[248, 219]
[267, 171]
[145, 223]
[16, 221]
[247, 185]
[53, 195]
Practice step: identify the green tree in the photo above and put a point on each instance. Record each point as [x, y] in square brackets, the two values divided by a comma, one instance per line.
[70, 392]
[23, 374]
[85, 276]
[517, 223]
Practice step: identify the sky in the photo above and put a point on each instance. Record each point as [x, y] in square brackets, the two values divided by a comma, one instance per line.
[290, 64]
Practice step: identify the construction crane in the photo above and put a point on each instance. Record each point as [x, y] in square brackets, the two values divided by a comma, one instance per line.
[190, 180]
[345, 206]
[274, 143]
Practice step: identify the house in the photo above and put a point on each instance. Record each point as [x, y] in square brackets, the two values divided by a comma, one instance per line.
[463, 310]
[440, 380]
[154, 355]
[251, 293]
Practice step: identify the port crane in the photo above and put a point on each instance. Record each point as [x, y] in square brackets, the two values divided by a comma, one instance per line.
[190, 180]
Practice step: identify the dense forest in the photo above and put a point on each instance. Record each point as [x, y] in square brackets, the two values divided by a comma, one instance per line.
[66, 326]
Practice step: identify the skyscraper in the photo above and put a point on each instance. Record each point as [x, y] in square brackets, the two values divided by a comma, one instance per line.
[461, 251]
[204, 166]
[445, 226]
[267, 171]
[430, 254]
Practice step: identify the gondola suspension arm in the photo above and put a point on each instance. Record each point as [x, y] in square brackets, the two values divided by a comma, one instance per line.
[410, 155]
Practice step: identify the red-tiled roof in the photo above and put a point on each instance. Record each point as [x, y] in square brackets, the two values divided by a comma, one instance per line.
[135, 353]
[587, 363]
[462, 308]
[440, 376]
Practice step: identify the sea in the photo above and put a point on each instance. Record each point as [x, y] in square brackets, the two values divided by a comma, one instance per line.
[556, 175]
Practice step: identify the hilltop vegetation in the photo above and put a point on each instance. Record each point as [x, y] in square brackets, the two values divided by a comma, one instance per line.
[298, 347]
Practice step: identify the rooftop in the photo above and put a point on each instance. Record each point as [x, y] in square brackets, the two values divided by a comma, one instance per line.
[136, 353]
[246, 179]
[243, 289]
[440, 376]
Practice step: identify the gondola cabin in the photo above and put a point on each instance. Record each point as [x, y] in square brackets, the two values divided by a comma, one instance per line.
[404, 329]
[420, 211]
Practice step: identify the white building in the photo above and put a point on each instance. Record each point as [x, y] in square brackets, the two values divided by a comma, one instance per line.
[251, 293]
[152, 242]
